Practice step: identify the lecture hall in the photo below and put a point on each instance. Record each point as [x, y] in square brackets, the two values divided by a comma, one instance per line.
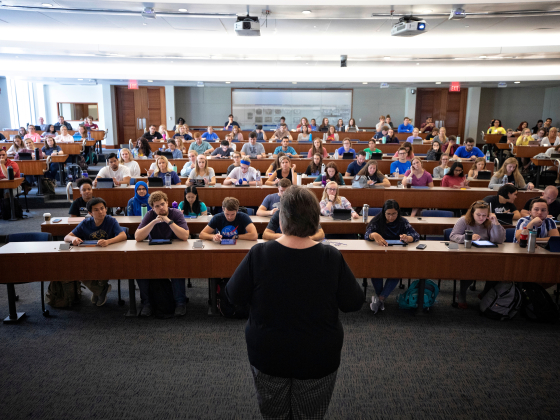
[291, 210]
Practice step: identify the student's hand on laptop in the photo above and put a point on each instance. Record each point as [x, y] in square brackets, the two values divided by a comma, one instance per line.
[76, 241]
[404, 237]
[103, 242]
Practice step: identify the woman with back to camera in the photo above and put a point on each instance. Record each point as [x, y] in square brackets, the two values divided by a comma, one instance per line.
[294, 335]
[191, 205]
[485, 227]
[141, 196]
[388, 225]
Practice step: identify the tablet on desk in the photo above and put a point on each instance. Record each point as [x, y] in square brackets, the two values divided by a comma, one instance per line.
[231, 241]
[160, 241]
[88, 243]
[395, 242]
[484, 244]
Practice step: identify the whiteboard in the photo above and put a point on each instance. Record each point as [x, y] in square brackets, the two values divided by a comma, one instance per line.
[252, 107]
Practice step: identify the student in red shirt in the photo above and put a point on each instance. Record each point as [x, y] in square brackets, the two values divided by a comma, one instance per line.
[5, 163]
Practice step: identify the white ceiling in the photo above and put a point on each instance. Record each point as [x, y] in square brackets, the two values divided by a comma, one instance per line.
[293, 46]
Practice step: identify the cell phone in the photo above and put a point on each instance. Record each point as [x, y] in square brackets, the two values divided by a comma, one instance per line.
[419, 218]
[421, 246]
[57, 220]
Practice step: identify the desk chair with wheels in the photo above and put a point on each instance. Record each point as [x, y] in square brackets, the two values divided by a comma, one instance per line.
[12, 297]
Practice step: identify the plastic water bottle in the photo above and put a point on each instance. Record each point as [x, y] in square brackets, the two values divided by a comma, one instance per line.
[258, 179]
[336, 154]
[84, 174]
[488, 156]
[174, 168]
[384, 139]
[367, 155]
[397, 172]
[505, 180]
[175, 205]
[168, 180]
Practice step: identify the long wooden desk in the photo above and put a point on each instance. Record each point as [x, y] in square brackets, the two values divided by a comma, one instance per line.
[97, 135]
[220, 165]
[10, 185]
[359, 136]
[127, 260]
[528, 151]
[437, 197]
[425, 226]
[492, 138]
[68, 148]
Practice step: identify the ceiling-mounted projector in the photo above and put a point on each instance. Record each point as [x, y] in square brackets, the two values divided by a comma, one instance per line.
[148, 13]
[247, 26]
[457, 14]
[408, 26]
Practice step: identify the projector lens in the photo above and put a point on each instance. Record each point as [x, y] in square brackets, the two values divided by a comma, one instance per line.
[421, 26]
[246, 25]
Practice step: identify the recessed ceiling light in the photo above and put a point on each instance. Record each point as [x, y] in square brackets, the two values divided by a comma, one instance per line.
[314, 26]
[386, 58]
[516, 82]
[417, 64]
[438, 83]
[228, 83]
[183, 10]
[150, 81]
[46, 5]
[427, 11]
[145, 24]
[466, 26]
[482, 56]
[294, 83]
[80, 79]
[306, 63]
[306, 12]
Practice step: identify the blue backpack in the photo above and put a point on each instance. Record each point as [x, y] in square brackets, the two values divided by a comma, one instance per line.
[409, 299]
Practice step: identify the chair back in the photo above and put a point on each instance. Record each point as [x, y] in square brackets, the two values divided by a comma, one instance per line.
[29, 237]
[374, 211]
[437, 213]
[510, 234]
[447, 234]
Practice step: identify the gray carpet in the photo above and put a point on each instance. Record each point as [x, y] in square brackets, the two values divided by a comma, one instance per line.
[92, 362]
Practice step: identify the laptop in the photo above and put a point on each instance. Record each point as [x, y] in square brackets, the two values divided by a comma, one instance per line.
[505, 218]
[342, 214]
[105, 183]
[484, 175]
[168, 155]
[376, 156]
[555, 155]
[553, 244]
[417, 141]
[198, 183]
[24, 156]
[155, 181]
[348, 156]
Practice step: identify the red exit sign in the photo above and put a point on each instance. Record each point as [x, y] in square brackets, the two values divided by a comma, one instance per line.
[133, 84]
[455, 87]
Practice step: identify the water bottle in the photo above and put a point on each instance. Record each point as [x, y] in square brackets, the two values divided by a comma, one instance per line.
[384, 139]
[397, 172]
[10, 173]
[168, 180]
[523, 238]
[336, 154]
[488, 156]
[37, 153]
[174, 168]
[323, 169]
[367, 155]
[365, 213]
[144, 209]
[175, 205]
[532, 243]
[258, 179]
[84, 174]
[505, 180]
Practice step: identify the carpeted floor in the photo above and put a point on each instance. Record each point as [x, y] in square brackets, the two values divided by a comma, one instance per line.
[92, 362]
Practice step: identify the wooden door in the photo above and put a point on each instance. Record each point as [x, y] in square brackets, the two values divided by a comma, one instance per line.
[449, 108]
[137, 109]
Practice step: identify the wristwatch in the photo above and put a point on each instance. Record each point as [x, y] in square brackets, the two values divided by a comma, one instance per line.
[170, 222]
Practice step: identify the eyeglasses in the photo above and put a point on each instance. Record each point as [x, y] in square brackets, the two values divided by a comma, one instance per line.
[332, 189]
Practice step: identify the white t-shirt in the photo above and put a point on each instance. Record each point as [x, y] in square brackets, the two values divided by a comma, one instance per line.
[546, 142]
[211, 174]
[64, 139]
[133, 167]
[550, 151]
[119, 174]
[250, 176]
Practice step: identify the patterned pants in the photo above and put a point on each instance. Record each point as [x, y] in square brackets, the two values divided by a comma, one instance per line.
[287, 398]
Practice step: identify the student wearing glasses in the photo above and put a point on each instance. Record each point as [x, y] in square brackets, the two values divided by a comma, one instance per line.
[399, 167]
[485, 227]
[538, 220]
[409, 151]
[331, 200]
[455, 178]
[388, 225]
[443, 169]
[236, 156]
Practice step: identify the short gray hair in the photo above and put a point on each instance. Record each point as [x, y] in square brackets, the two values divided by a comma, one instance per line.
[299, 212]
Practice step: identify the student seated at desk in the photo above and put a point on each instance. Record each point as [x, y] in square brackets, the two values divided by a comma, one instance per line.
[391, 138]
[357, 165]
[317, 148]
[162, 222]
[191, 205]
[142, 149]
[402, 165]
[415, 135]
[479, 165]
[388, 225]
[202, 171]
[331, 200]
[78, 206]
[435, 151]
[346, 148]
[433, 134]
[550, 195]
[553, 139]
[538, 220]
[314, 168]
[331, 134]
[382, 133]
[504, 201]
[191, 164]
[261, 135]
[141, 197]
[51, 149]
[374, 175]
[511, 169]
[236, 156]
[524, 138]
[271, 202]
[230, 224]
[253, 149]
[281, 133]
[229, 124]
[332, 175]
[223, 151]
[371, 149]
[17, 146]
[172, 148]
[201, 147]
[443, 169]
[210, 135]
[287, 150]
[275, 165]
[29, 148]
[456, 177]
[305, 134]
[64, 137]
[285, 171]
[409, 151]
[236, 134]
[119, 173]
[49, 132]
[274, 230]
[162, 169]
[485, 227]
[35, 137]
[496, 128]
[416, 176]
[294, 336]
[152, 134]
[244, 175]
[182, 134]
[103, 229]
[405, 127]
[5, 163]
[468, 151]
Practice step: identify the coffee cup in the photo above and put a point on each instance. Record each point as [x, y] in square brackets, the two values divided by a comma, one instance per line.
[468, 238]
[47, 217]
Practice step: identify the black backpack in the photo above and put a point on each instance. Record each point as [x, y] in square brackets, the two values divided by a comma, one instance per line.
[161, 298]
[226, 308]
[538, 305]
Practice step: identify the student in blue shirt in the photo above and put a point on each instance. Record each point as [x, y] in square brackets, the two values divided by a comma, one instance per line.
[210, 135]
[172, 148]
[402, 164]
[271, 202]
[288, 150]
[406, 127]
[468, 151]
[230, 224]
[357, 165]
[313, 124]
[346, 148]
[103, 229]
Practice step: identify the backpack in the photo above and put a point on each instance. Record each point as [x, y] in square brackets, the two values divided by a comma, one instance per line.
[94, 159]
[161, 298]
[48, 186]
[409, 299]
[6, 210]
[62, 294]
[226, 308]
[538, 305]
[82, 163]
[501, 302]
